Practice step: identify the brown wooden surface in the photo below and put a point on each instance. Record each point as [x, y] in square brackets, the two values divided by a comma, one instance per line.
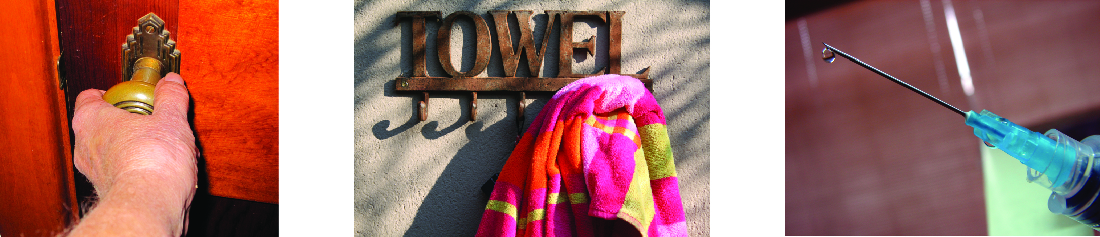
[36, 197]
[1038, 62]
[865, 156]
[92, 33]
[231, 63]
[229, 57]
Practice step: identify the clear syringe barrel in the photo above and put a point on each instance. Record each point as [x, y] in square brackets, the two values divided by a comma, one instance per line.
[1054, 160]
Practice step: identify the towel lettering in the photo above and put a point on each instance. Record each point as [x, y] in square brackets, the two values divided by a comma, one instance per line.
[510, 56]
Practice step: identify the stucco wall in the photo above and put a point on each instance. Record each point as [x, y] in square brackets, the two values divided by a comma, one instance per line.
[418, 178]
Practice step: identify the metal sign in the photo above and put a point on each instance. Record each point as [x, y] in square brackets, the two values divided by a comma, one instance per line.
[467, 80]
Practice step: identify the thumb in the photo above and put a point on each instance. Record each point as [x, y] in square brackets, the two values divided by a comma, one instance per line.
[172, 98]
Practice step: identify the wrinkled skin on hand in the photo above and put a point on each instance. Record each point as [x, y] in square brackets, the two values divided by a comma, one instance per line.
[111, 142]
[114, 147]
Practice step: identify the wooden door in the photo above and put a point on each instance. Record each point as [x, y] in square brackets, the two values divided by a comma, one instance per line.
[229, 58]
[51, 51]
[231, 64]
[36, 173]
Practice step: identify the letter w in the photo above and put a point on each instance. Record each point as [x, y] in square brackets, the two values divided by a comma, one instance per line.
[510, 56]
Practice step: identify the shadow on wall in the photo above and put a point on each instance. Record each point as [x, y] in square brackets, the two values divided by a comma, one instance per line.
[454, 204]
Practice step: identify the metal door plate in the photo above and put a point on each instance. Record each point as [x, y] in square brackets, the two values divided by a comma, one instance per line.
[150, 39]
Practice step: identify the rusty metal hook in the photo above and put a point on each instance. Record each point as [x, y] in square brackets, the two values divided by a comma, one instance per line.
[522, 104]
[424, 108]
[521, 118]
[473, 107]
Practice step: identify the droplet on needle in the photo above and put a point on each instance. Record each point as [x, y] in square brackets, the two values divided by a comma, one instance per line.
[828, 55]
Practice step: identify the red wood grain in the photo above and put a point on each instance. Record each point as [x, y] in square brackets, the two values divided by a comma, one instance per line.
[36, 197]
[231, 65]
[92, 33]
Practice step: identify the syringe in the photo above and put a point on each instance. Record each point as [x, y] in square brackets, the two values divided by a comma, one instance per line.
[1054, 160]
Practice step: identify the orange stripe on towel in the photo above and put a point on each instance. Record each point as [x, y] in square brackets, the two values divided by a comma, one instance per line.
[613, 129]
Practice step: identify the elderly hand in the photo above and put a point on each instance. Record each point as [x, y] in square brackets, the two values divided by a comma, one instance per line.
[142, 166]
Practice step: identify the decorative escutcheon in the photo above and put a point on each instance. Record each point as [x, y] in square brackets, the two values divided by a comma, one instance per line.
[147, 56]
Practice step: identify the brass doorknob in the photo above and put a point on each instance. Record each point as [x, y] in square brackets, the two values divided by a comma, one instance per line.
[147, 56]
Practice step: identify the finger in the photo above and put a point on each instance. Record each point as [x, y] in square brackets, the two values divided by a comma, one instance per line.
[87, 102]
[171, 97]
[90, 97]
